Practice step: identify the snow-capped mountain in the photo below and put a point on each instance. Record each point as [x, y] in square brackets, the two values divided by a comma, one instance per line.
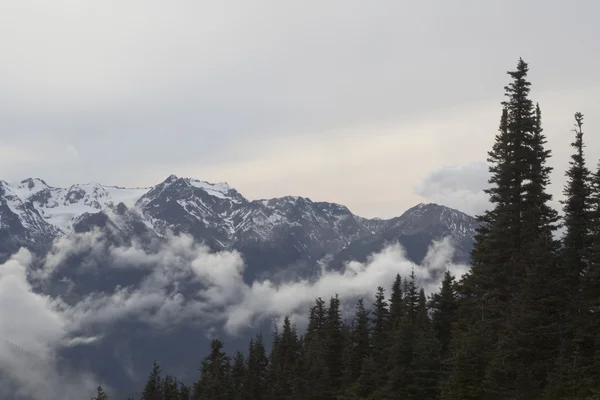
[274, 232]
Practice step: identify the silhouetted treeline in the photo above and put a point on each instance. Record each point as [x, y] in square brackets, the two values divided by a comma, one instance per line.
[524, 323]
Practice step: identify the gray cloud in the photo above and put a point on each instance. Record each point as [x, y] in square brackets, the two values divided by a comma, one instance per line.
[145, 88]
[224, 298]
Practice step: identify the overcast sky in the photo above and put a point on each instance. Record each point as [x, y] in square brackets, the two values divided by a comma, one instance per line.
[374, 104]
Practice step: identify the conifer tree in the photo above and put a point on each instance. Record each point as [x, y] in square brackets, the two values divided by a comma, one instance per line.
[577, 209]
[426, 361]
[154, 388]
[590, 325]
[100, 394]
[530, 338]
[170, 388]
[360, 344]
[334, 346]
[283, 362]
[214, 382]
[184, 392]
[316, 375]
[380, 334]
[238, 374]
[411, 299]
[444, 305]
[396, 303]
[255, 383]
[503, 252]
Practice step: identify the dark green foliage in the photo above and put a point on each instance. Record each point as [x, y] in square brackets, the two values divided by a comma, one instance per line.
[380, 335]
[238, 375]
[170, 388]
[396, 303]
[214, 382]
[577, 209]
[284, 360]
[444, 305]
[255, 382]
[184, 392]
[315, 376]
[334, 346]
[154, 387]
[359, 348]
[100, 394]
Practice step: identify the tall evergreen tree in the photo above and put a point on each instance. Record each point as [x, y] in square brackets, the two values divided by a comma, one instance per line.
[283, 362]
[238, 374]
[530, 339]
[153, 390]
[170, 388]
[512, 246]
[255, 383]
[444, 305]
[334, 346]
[426, 360]
[100, 394]
[590, 325]
[360, 343]
[577, 209]
[184, 392]
[573, 263]
[380, 334]
[396, 303]
[214, 382]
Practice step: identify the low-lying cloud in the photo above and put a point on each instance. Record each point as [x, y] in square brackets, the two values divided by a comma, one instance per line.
[181, 282]
[32, 327]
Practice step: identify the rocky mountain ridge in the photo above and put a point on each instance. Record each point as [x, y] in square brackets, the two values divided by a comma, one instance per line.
[280, 231]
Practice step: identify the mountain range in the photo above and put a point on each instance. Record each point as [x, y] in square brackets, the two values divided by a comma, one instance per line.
[273, 235]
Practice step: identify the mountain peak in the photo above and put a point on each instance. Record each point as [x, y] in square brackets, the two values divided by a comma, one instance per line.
[31, 183]
[427, 215]
[171, 178]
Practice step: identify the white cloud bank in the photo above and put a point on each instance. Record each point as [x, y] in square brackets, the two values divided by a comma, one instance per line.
[31, 327]
[184, 282]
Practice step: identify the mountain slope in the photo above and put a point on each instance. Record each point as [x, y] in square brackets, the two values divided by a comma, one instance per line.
[416, 229]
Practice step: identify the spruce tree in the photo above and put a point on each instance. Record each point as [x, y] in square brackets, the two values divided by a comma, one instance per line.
[360, 343]
[380, 334]
[513, 240]
[153, 390]
[214, 382]
[283, 362]
[590, 326]
[396, 303]
[426, 362]
[334, 346]
[444, 305]
[184, 392]
[531, 335]
[170, 388]
[255, 382]
[100, 394]
[576, 242]
[316, 375]
[238, 374]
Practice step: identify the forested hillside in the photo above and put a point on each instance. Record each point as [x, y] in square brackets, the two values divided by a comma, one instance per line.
[522, 324]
